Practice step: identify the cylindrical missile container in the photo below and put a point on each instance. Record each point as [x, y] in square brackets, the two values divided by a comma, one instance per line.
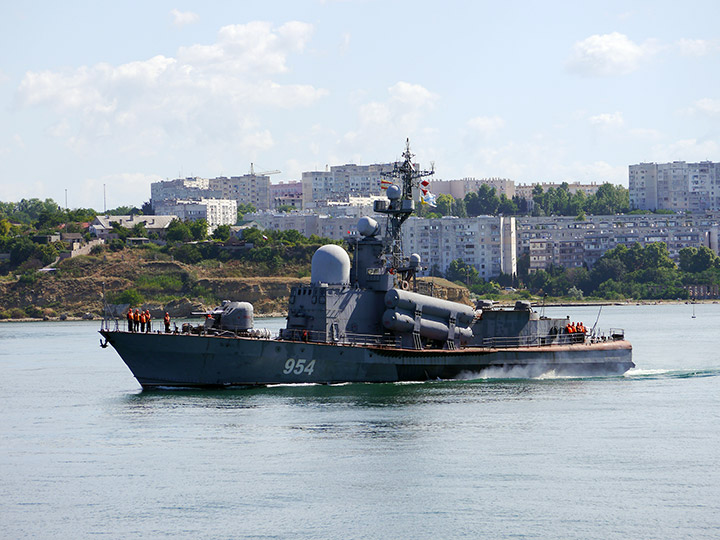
[429, 328]
[410, 301]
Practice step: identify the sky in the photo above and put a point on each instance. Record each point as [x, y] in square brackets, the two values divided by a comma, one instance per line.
[108, 97]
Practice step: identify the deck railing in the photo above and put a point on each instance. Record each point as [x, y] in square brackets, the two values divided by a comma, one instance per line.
[537, 340]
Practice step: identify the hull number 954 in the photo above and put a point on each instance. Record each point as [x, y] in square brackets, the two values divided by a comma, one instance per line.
[299, 366]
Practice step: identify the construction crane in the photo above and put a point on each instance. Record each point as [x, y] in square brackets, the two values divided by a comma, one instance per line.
[261, 173]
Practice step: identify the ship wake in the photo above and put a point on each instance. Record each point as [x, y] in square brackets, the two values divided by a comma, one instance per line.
[671, 374]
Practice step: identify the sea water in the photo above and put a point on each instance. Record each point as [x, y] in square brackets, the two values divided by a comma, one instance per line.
[85, 453]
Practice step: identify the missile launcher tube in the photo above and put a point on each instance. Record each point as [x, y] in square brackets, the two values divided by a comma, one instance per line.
[429, 328]
[443, 309]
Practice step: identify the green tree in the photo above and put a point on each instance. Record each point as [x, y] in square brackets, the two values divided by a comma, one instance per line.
[124, 211]
[138, 230]
[221, 232]
[178, 231]
[128, 296]
[122, 232]
[45, 253]
[244, 208]
[21, 250]
[188, 253]
[445, 204]
[656, 255]
[608, 200]
[254, 235]
[198, 229]
[459, 209]
[459, 270]
[506, 206]
[696, 260]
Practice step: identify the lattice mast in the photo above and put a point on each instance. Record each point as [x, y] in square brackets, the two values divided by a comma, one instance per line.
[401, 208]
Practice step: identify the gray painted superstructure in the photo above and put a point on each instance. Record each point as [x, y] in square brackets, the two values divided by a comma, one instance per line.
[361, 320]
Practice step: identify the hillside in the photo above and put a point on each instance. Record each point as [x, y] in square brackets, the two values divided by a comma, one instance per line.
[141, 277]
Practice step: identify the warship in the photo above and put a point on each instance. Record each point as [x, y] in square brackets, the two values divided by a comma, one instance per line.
[363, 319]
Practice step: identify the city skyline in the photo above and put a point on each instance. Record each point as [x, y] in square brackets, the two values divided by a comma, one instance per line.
[126, 95]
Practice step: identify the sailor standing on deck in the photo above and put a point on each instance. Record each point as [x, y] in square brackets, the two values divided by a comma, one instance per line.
[130, 320]
[147, 320]
[142, 322]
[166, 320]
[136, 320]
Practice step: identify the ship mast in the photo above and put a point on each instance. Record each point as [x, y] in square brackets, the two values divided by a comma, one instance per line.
[401, 207]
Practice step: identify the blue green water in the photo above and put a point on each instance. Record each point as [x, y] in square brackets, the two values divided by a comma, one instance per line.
[84, 453]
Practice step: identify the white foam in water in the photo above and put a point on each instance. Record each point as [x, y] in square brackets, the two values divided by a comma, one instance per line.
[635, 372]
[514, 372]
[292, 385]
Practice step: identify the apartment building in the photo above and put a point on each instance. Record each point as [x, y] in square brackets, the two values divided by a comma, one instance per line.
[248, 189]
[677, 186]
[341, 182]
[570, 243]
[183, 188]
[486, 242]
[286, 194]
[214, 211]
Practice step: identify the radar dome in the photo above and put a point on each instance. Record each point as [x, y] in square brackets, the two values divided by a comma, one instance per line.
[393, 192]
[415, 260]
[367, 226]
[331, 265]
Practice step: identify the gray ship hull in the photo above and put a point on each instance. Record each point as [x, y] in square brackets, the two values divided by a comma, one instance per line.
[182, 360]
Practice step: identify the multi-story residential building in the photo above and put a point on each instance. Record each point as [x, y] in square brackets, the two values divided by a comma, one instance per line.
[486, 242]
[249, 189]
[342, 181]
[570, 243]
[460, 188]
[286, 194]
[541, 254]
[214, 211]
[677, 186]
[183, 188]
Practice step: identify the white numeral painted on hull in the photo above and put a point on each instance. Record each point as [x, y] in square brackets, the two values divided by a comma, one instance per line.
[299, 366]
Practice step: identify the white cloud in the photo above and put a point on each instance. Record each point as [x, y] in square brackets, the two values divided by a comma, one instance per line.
[645, 133]
[706, 106]
[182, 18]
[404, 107]
[345, 42]
[697, 47]
[608, 55]
[486, 125]
[607, 119]
[207, 92]
[596, 171]
[686, 150]
[413, 95]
